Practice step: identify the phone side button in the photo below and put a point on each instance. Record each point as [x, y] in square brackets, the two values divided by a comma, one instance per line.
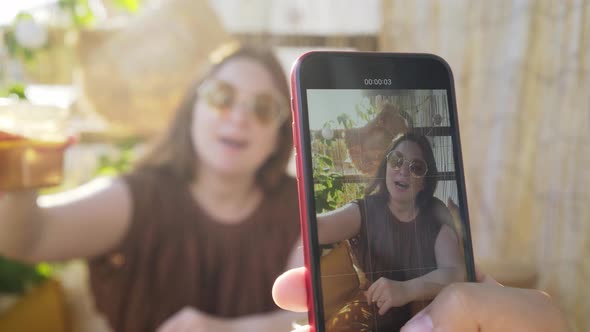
[295, 136]
[296, 172]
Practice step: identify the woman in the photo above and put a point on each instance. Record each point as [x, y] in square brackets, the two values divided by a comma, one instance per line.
[194, 237]
[401, 234]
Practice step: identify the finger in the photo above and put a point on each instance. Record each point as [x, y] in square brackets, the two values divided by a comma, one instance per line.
[372, 289]
[179, 322]
[369, 293]
[381, 296]
[367, 296]
[305, 328]
[477, 307]
[384, 308]
[289, 290]
[377, 294]
[418, 316]
[169, 325]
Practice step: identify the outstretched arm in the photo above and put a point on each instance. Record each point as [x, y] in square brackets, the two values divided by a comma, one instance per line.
[340, 224]
[83, 222]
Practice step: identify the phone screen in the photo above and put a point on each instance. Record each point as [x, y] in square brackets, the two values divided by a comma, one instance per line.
[388, 225]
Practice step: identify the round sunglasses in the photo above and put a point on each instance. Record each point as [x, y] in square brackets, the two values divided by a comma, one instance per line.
[418, 168]
[222, 96]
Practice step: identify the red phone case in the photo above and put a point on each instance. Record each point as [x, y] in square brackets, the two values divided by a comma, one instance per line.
[301, 193]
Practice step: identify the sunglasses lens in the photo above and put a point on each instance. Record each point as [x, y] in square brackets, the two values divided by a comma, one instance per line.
[266, 108]
[395, 160]
[418, 168]
[220, 96]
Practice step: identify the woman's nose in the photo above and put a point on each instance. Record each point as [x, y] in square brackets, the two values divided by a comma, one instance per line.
[239, 111]
[405, 169]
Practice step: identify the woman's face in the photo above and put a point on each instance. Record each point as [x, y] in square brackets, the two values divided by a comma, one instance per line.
[229, 133]
[402, 185]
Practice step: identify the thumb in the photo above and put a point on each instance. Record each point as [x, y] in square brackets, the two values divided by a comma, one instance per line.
[489, 307]
[289, 291]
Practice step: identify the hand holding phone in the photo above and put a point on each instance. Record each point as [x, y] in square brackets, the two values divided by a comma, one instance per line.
[378, 152]
[487, 300]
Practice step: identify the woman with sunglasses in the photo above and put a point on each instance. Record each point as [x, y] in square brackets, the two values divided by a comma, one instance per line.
[401, 235]
[193, 238]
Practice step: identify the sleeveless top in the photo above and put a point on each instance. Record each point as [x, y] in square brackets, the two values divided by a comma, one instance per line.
[396, 250]
[175, 255]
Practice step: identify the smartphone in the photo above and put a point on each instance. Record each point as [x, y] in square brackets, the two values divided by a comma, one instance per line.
[384, 214]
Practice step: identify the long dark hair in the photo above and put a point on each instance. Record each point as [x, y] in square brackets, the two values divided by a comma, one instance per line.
[174, 152]
[379, 186]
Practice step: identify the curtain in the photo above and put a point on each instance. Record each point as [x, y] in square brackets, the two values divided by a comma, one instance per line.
[522, 74]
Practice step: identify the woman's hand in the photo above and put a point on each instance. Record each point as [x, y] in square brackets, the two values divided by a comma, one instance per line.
[488, 306]
[468, 307]
[193, 320]
[386, 294]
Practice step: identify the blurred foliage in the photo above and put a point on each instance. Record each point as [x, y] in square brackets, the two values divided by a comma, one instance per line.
[121, 162]
[366, 110]
[79, 10]
[15, 49]
[81, 13]
[331, 158]
[130, 6]
[345, 121]
[17, 277]
[81, 16]
[16, 90]
[328, 184]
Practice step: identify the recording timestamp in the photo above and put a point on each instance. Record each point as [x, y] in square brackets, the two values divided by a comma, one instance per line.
[377, 81]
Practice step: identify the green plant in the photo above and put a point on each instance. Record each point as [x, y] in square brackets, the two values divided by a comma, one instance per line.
[365, 110]
[16, 90]
[16, 277]
[331, 188]
[328, 184]
[81, 13]
[120, 163]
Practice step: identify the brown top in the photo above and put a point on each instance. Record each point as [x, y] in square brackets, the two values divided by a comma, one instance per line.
[175, 255]
[387, 247]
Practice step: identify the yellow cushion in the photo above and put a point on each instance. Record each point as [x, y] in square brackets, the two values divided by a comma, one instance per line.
[340, 281]
[41, 309]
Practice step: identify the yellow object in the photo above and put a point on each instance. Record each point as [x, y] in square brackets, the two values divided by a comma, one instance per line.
[343, 282]
[340, 280]
[40, 310]
[30, 164]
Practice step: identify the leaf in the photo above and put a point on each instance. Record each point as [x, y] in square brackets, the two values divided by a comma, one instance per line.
[325, 160]
[129, 5]
[16, 277]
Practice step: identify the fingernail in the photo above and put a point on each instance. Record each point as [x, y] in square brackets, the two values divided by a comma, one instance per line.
[422, 323]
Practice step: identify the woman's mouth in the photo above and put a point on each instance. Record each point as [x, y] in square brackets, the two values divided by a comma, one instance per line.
[401, 185]
[233, 143]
